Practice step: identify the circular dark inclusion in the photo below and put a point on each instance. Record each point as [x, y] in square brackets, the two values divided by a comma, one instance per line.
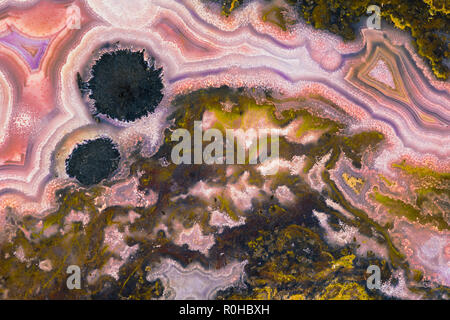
[124, 86]
[92, 161]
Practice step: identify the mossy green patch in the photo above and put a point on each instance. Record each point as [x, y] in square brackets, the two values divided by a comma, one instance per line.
[402, 209]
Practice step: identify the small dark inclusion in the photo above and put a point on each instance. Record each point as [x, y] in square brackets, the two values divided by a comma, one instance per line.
[92, 161]
[124, 86]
